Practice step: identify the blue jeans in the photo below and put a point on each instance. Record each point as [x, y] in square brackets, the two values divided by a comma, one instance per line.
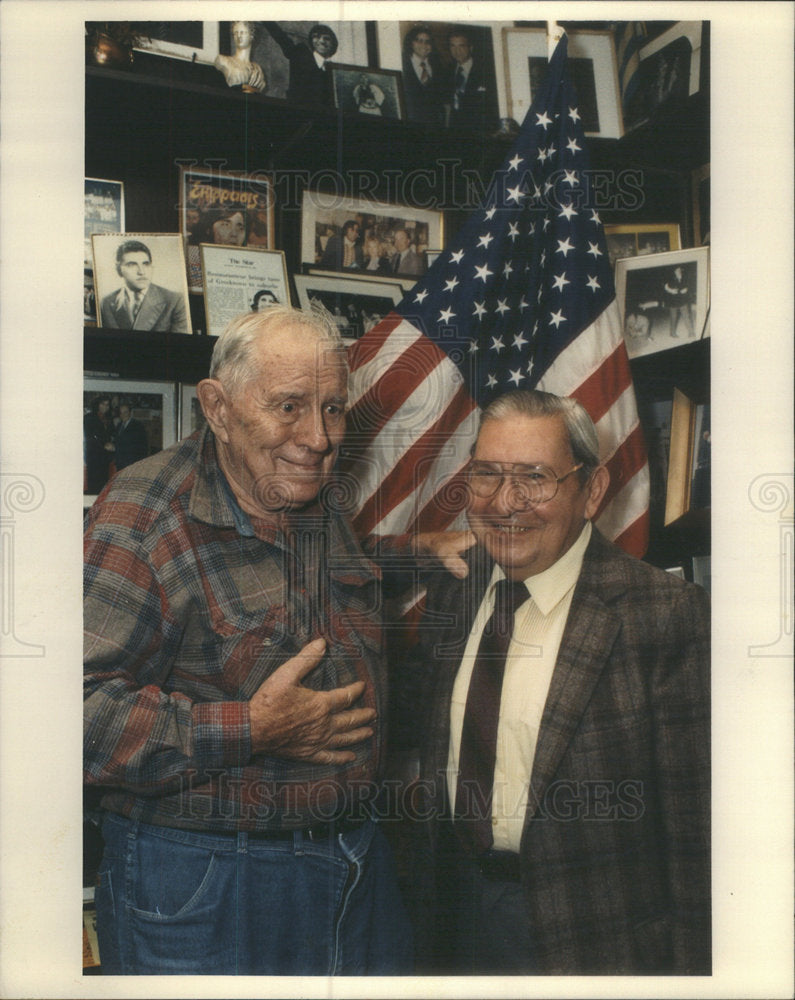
[182, 902]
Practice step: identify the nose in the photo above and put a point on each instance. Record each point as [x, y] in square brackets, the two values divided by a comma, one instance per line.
[312, 433]
[509, 498]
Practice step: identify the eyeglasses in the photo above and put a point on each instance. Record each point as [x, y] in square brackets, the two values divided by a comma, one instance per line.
[529, 483]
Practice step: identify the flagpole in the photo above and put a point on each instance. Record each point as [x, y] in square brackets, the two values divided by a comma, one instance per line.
[554, 35]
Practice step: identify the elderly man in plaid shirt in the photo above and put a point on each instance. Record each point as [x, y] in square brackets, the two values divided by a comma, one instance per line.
[234, 684]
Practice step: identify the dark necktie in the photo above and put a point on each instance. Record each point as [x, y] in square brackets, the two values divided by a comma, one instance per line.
[460, 83]
[479, 733]
[424, 75]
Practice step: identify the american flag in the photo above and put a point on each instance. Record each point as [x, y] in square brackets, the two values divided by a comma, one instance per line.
[523, 299]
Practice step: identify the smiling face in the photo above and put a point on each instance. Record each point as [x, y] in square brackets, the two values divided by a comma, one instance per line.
[527, 539]
[324, 44]
[421, 45]
[278, 433]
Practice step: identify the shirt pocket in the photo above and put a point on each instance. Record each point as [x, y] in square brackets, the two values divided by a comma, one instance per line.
[248, 647]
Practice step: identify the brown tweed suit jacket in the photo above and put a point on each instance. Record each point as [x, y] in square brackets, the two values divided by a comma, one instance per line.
[615, 852]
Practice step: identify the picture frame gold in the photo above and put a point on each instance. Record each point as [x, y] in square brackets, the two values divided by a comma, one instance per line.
[688, 464]
[592, 63]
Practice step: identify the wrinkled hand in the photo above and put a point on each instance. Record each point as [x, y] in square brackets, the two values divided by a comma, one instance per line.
[448, 547]
[293, 721]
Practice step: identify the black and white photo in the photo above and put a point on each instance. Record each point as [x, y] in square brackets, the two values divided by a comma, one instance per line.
[140, 282]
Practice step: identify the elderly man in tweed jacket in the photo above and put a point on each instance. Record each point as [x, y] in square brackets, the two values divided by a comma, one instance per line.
[599, 810]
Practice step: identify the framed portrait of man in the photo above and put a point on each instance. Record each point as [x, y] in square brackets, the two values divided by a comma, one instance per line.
[140, 282]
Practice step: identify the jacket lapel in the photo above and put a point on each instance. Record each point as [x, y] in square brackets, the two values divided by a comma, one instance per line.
[589, 636]
[150, 310]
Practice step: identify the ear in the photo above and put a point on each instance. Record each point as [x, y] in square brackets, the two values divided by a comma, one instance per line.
[596, 487]
[215, 406]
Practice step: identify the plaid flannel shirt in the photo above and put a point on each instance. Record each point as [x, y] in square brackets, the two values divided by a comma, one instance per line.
[189, 606]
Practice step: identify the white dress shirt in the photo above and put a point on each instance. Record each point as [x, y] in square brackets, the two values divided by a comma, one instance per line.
[538, 630]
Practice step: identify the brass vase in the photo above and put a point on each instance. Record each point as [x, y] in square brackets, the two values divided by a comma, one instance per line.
[106, 51]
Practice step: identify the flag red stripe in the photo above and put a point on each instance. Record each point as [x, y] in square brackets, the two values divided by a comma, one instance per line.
[627, 460]
[634, 538]
[443, 507]
[409, 472]
[376, 407]
[604, 386]
[365, 349]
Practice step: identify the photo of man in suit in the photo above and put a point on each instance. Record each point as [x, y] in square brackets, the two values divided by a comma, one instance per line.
[343, 250]
[406, 260]
[140, 304]
[130, 443]
[310, 79]
[562, 823]
[468, 93]
[422, 77]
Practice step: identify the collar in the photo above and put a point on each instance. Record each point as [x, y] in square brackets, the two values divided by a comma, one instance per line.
[465, 67]
[319, 60]
[551, 586]
[126, 297]
[243, 524]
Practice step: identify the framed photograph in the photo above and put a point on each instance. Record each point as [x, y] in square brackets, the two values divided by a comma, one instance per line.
[286, 52]
[140, 283]
[195, 41]
[191, 416]
[228, 208]
[670, 71]
[238, 280]
[428, 54]
[103, 213]
[689, 462]
[356, 235]
[356, 304]
[402, 285]
[123, 422]
[377, 93]
[663, 299]
[639, 240]
[592, 63]
[700, 194]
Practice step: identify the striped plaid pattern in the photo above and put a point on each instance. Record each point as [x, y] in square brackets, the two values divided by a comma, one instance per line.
[185, 616]
[615, 853]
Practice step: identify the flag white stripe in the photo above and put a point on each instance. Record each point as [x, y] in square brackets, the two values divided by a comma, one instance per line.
[407, 424]
[397, 343]
[584, 355]
[626, 506]
[617, 424]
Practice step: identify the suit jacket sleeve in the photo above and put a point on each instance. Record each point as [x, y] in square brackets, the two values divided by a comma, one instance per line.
[680, 694]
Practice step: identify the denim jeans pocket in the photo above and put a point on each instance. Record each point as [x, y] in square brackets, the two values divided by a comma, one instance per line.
[175, 906]
[170, 880]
